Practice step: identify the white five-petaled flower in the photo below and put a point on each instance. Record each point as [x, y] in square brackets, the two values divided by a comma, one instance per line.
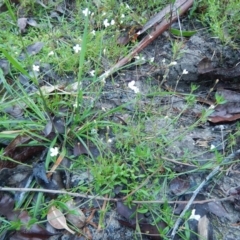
[35, 68]
[54, 151]
[185, 71]
[92, 73]
[51, 53]
[106, 23]
[132, 86]
[86, 12]
[151, 59]
[172, 63]
[77, 48]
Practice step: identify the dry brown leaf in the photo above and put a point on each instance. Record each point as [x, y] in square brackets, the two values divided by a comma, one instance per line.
[57, 220]
[77, 218]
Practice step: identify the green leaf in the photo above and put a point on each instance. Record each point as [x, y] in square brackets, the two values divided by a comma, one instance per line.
[179, 33]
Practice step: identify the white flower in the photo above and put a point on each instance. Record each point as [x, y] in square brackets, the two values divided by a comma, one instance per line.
[122, 16]
[172, 63]
[35, 68]
[106, 23]
[92, 73]
[185, 71]
[112, 22]
[212, 147]
[140, 58]
[151, 59]
[93, 32]
[54, 151]
[86, 12]
[104, 13]
[77, 48]
[132, 87]
[51, 53]
[127, 6]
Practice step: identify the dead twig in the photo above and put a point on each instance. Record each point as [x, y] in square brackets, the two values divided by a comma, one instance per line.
[8, 189]
[190, 202]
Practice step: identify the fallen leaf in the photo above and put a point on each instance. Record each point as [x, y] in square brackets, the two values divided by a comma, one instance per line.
[5, 66]
[80, 149]
[57, 220]
[19, 153]
[217, 209]
[22, 23]
[229, 111]
[77, 218]
[130, 214]
[32, 22]
[179, 186]
[205, 66]
[35, 231]
[35, 48]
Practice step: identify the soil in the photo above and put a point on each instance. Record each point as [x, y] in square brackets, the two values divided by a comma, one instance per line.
[196, 141]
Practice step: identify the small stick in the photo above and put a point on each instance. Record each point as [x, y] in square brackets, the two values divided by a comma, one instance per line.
[7, 189]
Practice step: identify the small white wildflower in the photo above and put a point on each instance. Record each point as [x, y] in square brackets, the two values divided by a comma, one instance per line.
[212, 147]
[86, 12]
[127, 6]
[221, 127]
[151, 59]
[140, 58]
[106, 23]
[104, 13]
[54, 151]
[35, 68]
[77, 48]
[112, 22]
[185, 71]
[51, 53]
[122, 16]
[93, 32]
[75, 105]
[109, 140]
[194, 216]
[92, 73]
[132, 86]
[172, 63]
